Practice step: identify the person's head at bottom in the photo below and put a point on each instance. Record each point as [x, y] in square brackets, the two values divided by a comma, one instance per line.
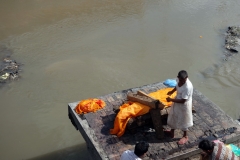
[141, 149]
[207, 146]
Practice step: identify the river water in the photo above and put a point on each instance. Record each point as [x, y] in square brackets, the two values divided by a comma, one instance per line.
[78, 49]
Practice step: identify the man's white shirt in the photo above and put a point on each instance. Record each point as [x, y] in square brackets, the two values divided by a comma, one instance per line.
[129, 155]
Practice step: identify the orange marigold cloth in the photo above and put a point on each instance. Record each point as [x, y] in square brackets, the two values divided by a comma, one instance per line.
[134, 109]
[89, 105]
[127, 111]
[161, 95]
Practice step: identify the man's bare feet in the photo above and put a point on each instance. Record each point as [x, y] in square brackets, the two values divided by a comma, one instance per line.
[183, 140]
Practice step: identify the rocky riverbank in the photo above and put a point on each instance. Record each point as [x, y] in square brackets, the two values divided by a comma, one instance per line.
[9, 68]
[232, 40]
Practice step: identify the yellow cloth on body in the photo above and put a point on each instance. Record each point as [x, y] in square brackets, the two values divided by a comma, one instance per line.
[134, 109]
[161, 95]
[127, 111]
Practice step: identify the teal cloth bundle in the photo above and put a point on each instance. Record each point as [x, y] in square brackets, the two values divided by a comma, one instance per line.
[234, 149]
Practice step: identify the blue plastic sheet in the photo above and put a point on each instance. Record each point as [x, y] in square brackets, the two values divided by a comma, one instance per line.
[170, 82]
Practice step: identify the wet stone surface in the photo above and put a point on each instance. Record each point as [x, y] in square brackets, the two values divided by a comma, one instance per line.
[209, 122]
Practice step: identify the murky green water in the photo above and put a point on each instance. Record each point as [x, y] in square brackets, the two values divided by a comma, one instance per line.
[72, 50]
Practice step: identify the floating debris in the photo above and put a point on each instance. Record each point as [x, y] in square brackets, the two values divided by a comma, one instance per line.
[9, 70]
[232, 39]
[4, 76]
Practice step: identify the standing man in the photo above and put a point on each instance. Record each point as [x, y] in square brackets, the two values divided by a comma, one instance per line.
[139, 152]
[180, 116]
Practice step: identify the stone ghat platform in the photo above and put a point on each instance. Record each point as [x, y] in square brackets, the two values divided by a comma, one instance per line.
[209, 122]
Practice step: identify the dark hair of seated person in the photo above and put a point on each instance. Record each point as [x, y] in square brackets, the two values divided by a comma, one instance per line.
[141, 148]
[206, 145]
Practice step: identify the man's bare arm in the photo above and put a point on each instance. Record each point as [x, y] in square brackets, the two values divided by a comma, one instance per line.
[172, 91]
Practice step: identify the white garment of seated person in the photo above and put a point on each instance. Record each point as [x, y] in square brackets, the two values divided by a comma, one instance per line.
[129, 155]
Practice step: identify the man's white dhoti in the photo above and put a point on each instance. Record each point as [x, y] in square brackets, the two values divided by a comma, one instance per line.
[180, 116]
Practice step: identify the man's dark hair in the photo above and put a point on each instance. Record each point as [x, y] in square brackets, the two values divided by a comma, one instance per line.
[182, 74]
[206, 145]
[141, 148]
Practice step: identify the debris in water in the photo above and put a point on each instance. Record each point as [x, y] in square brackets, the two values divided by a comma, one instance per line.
[9, 70]
[232, 39]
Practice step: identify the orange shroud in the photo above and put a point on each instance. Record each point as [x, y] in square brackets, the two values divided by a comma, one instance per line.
[89, 105]
[134, 109]
[161, 95]
[127, 111]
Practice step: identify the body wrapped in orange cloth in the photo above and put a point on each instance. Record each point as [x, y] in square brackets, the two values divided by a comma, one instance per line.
[89, 105]
[134, 109]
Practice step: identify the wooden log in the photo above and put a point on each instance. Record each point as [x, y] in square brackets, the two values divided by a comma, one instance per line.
[153, 103]
[159, 104]
[157, 122]
[141, 93]
[155, 111]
